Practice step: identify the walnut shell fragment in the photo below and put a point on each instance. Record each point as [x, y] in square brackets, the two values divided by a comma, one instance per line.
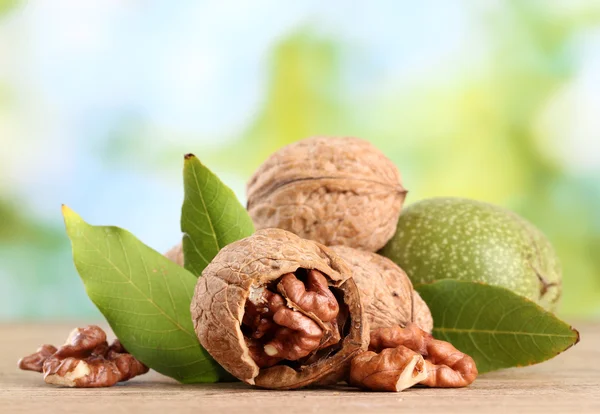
[332, 190]
[386, 291]
[264, 309]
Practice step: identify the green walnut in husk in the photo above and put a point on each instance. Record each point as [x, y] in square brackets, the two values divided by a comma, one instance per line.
[456, 238]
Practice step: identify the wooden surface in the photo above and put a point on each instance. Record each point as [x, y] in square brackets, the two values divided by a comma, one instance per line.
[568, 383]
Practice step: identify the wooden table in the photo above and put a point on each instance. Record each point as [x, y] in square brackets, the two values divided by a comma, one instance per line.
[568, 383]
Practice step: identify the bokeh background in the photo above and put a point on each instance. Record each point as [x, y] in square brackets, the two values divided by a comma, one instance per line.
[493, 100]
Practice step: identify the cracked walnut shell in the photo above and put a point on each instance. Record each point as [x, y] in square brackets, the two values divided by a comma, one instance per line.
[279, 311]
[386, 292]
[336, 191]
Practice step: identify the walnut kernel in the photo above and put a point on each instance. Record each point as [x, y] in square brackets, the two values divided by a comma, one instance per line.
[84, 361]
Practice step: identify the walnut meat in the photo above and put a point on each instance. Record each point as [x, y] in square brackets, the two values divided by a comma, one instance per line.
[84, 361]
[337, 191]
[445, 366]
[279, 311]
[386, 292]
[393, 369]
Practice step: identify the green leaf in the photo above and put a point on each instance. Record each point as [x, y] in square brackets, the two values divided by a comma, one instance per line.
[144, 297]
[495, 326]
[211, 216]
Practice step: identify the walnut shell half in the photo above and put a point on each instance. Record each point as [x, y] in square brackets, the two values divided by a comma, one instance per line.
[249, 267]
[337, 191]
[386, 292]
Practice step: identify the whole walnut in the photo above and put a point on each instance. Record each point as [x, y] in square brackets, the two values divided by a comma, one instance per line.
[279, 311]
[337, 191]
[386, 292]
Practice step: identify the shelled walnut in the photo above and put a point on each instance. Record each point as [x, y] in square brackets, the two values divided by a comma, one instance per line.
[279, 311]
[386, 292]
[401, 357]
[392, 369]
[332, 190]
[84, 361]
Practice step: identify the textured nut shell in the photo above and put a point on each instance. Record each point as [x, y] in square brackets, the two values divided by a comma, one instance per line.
[220, 295]
[337, 191]
[386, 292]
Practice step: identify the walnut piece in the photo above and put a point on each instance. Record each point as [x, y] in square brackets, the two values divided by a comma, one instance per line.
[298, 337]
[84, 361]
[446, 366]
[279, 311]
[336, 191]
[386, 292]
[259, 311]
[35, 362]
[393, 369]
[317, 299]
[281, 332]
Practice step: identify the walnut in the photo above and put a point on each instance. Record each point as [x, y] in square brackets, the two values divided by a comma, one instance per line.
[336, 191]
[296, 336]
[318, 298]
[446, 366]
[35, 362]
[279, 311]
[385, 290]
[393, 369]
[85, 360]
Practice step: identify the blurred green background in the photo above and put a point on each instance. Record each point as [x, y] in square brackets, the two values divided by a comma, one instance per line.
[493, 100]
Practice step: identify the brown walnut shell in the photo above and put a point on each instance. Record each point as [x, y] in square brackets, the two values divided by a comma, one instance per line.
[243, 267]
[337, 191]
[386, 292]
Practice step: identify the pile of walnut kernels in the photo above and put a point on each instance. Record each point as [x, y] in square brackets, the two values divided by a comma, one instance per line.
[280, 309]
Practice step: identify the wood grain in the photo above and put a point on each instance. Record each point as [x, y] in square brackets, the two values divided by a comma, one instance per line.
[568, 383]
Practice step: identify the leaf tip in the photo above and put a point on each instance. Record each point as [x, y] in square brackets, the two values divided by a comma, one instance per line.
[70, 217]
[66, 211]
[577, 336]
[189, 156]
